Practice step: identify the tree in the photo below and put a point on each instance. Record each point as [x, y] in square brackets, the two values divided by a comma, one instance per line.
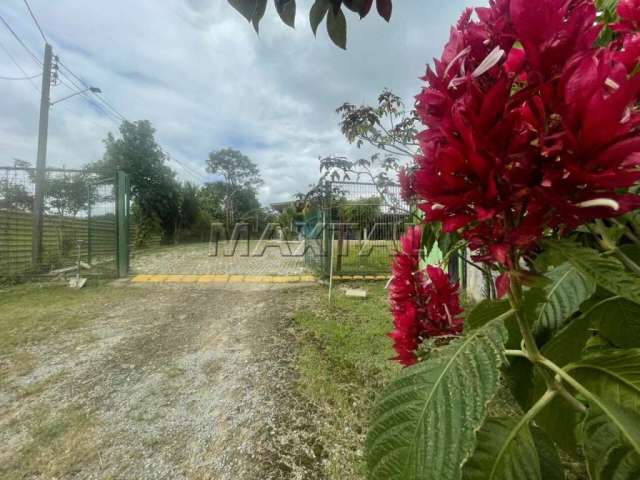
[240, 178]
[153, 185]
[13, 196]
[254, 10]
[67, 195]
[193, 220]
[387, 127]
[213, 200]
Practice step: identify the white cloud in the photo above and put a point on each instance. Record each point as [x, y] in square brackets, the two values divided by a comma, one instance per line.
[197, 70]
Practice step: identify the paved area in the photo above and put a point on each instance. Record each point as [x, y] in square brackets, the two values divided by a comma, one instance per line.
[249, 258]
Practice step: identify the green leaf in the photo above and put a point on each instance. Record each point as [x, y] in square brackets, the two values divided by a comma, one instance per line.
[317, 13]
[258, 13]
[619, 322]
[505, 450]
[287, 11]
[337, 28]
[484, 312]
[613, 375]
[611, 430]
[631, 251]
[551, 466]
[608, 454]
[245, 7]
[606, 271]
[424, 425]
[566, 346]
[563, 297]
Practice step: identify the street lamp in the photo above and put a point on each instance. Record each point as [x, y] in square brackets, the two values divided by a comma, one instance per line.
[89, 89]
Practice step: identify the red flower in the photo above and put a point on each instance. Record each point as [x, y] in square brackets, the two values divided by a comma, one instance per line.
[519, 140]
[629, 12]
[422, 305]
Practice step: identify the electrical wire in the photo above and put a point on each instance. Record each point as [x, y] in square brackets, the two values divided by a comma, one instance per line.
[24, 45]
[122, 117]
[86, 85]
[20, 78]
[112, 113]
[15, 62]
[36, 21]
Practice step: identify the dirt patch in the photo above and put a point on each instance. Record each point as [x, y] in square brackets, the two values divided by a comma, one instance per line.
[166, 382]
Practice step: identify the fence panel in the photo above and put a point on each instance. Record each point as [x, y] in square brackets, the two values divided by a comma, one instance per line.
[360, 224]
[78, 219]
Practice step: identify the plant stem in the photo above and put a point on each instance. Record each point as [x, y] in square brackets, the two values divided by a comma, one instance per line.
[515, 299]
[628, 232]
[630, 264]
[542, 402]
[609, 245]
[516, 353]
[573, 401]
[564, 375]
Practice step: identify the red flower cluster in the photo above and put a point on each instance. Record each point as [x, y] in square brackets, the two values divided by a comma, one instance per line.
[530, 125]
[423, 306]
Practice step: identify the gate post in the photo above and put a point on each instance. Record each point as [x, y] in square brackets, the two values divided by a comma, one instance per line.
[122, 224]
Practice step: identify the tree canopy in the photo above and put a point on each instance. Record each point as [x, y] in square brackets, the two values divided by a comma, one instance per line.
[153, 185]
[237, 170]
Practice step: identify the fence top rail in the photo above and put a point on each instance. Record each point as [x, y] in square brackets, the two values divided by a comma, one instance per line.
[48, 169]
[364, 184]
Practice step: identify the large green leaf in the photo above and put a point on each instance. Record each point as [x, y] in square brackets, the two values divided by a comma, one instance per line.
[619, 322]
[486, 311]
[606, 271]
[608, 454]
[611, 430]
[424, 425]
[551, 466]
[613, 375]
[505, 450]
[569, 288]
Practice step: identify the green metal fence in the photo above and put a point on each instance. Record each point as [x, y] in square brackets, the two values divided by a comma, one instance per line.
[354, 228]
[79, 222]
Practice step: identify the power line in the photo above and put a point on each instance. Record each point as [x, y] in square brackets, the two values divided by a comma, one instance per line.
[122, 117]
[188, 169]
[112, 113]
[24, 45]
[86, 85]
[20, 78]
[15, 62]
[36, 22]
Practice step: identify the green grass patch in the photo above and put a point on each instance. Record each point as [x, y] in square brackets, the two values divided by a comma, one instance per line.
[58, 444]
[34, 312]
[342, 364]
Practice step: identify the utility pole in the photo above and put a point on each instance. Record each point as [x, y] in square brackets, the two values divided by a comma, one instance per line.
[40, 178]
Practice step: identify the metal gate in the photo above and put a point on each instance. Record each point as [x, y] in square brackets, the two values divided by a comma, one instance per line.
[79, 220]
[355, 228]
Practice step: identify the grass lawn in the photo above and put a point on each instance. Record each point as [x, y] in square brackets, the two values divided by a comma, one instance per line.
[32, 315]
[343, 362]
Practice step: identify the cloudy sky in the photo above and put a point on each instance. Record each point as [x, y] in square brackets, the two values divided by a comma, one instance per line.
[199, 73]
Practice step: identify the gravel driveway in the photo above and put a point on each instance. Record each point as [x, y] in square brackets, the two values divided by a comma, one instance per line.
[254, 258]
[168, 382]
